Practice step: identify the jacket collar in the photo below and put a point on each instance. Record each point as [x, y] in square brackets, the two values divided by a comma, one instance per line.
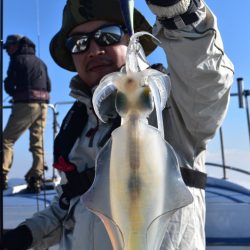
[80, 90]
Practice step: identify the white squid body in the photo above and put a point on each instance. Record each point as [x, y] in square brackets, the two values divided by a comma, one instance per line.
[138, 184]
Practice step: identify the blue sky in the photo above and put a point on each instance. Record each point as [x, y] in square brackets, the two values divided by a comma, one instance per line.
[41, 19]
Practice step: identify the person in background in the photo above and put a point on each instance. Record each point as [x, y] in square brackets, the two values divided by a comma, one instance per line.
[28, 84]
[93, 42]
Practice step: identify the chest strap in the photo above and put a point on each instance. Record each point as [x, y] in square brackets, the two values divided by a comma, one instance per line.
[78, 184]
[194, 178]
[71, 128]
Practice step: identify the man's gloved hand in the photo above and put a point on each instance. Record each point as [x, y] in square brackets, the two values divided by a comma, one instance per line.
[19, 238]
[164, 3]
[174, 14]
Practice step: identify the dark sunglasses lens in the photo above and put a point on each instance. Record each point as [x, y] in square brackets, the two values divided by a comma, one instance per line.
[108, 35]
[104, 36]
[77, 44]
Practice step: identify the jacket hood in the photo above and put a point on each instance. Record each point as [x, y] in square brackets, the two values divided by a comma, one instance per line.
[26, 46]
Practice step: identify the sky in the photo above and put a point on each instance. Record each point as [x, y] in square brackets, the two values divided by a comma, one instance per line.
[41, 19]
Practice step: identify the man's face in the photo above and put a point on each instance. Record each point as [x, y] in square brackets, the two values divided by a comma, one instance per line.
[98, 61]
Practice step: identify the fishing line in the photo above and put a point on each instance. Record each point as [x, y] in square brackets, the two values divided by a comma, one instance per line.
[38, 27]
[41, 106]
[43, 157]
[38, 43]
[1, 172]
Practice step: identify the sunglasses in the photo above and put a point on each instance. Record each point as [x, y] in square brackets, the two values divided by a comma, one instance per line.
[104, 36]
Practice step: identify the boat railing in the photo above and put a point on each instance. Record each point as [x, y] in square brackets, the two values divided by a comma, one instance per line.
[55, 123]
[243, 103]
[242, 95]
[228, 168]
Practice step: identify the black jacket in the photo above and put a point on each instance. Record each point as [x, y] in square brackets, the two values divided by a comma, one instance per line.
[27, 77]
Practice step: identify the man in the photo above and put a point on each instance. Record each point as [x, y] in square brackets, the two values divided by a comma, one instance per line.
[28, 84]
[201, 76]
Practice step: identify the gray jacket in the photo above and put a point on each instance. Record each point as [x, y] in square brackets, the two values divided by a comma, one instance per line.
[201, 76]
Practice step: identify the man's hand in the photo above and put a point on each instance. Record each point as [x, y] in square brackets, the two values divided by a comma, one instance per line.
[174, 14]
[19, 238]
[163, 3]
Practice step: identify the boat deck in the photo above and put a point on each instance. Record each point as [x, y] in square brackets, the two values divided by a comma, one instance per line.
[227, 217]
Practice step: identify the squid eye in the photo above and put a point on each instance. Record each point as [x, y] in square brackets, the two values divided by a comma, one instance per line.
[145, 101]
[121, 103]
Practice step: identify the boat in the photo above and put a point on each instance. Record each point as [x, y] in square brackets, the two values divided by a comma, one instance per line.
[227, 203]
[227, 215]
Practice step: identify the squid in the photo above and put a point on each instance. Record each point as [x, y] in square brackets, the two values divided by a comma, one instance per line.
[138, 184]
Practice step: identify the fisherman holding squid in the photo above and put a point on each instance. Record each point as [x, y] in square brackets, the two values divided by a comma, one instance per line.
[93, 41]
